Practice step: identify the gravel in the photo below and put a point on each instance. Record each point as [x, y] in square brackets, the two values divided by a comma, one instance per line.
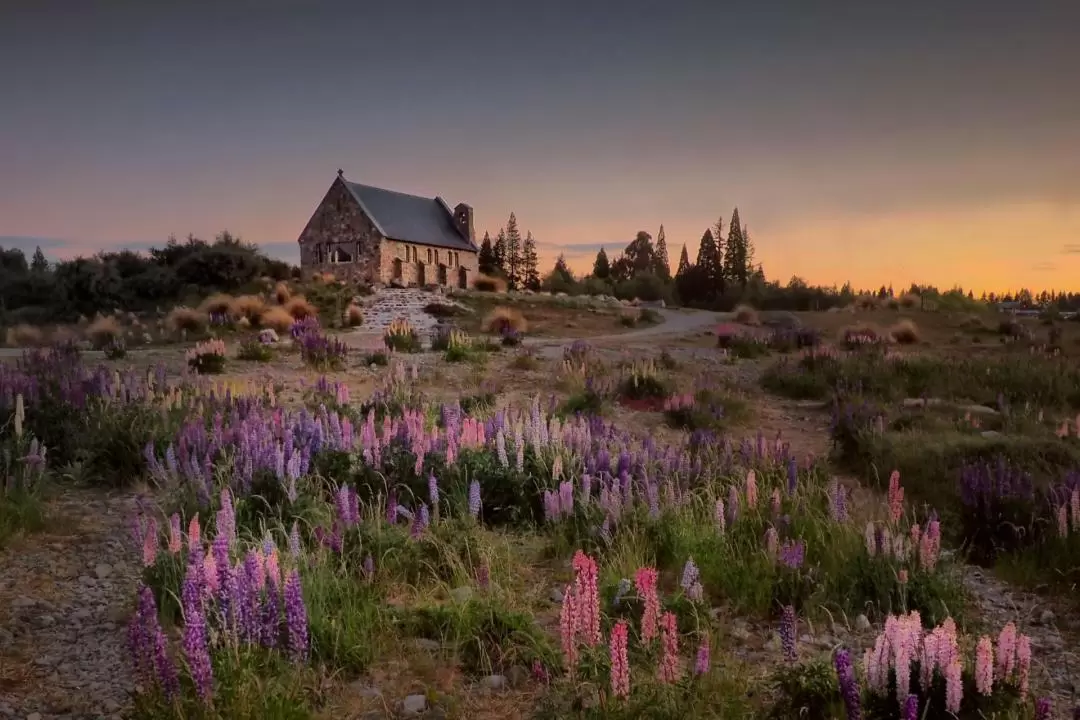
[65, 596]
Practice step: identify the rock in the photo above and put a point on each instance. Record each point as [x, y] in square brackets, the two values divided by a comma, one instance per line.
[921, 402]
[740, 633]
[413, 705]
[556, 596]
[494, 682]
[979, 410]
[33, 716]
[103, 570]
[991, 434]
[426, 644]
[461, 594]
[773, 644]
[518, 676]
[364, 689]
[862, 622]
[1046, 617]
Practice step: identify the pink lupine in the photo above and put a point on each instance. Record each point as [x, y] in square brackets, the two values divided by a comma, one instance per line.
[645, 581]
[668, 671]
[775, 502]
[954, 686]
[176, 541]
[210, 572]
[568, 629]
[719, 516]
[588, 597]
[702, 660]
[1074, 503]
[1023, 663]
[772, 542]
[194, 534]
[1063, 522]
[871, 539]
[620, 665]
[150, 542]
[896, 497]
[930, 545]
[1006, 655]
[751, 489]
[984, 666]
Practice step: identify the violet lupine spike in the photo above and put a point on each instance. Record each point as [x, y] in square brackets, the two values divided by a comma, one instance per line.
[849, 684]
[296, 617]
[788, 633]
[197, 651]
[911, 707]
[474, 498]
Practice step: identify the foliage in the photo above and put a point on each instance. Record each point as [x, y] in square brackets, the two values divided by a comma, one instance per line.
[255, 350]
[207, 357]
[401, 337]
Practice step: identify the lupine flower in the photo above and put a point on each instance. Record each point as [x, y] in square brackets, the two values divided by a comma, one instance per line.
[701, 661]
[620, 592]
[984, 666]
[150, 542]
[196, 649]
[775, 503]
[620, 665]
[911, 708]
[772, 541]
[1063, 522]
[1006, 655]
[483, 576]
[588, 597]
[568, 629]
[751, 489]
[474, 498]
[1023, 662]
[668, 671]
[645, 581]
[1043, 708]
[954, 686]
[849, 684]
[870, 536]
[194, 534]
[787, 633]
[896, 497]
[369, 567]
[690, 574]
[296, 617]
[792, 553]
[720, 516]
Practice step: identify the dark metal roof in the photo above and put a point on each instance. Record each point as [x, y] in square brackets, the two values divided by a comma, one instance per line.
[410, 218]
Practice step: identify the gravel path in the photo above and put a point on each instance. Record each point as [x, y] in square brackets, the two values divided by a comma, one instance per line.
[65, 596]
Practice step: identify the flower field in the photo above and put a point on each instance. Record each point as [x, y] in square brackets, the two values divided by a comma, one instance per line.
[619, 539]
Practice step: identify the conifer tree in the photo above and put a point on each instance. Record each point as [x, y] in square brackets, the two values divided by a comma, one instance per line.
[562, 270]
[530, 273]
[486, 260]
[708, 264]
[735, 260]
[601, 266]
[748, 251]
[500, 251]
[38, 263]
[662, 269]
[513, 260]
[684, 262]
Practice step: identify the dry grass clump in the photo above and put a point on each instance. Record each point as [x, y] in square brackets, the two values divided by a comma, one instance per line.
[489, 283]
[504, 319]
[63, 334]
[746, 315]
[282, 293]
[910, 300]
[299, 308]
[185, 318]
[860, 334]
[278, 318]
[866, 302]
[354, 315]
[247, 307]
[904, 332]
[103, 330]
[217, 304]
[24, 336]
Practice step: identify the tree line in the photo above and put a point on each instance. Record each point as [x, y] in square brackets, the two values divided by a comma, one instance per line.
[38, 292]
[511, 257]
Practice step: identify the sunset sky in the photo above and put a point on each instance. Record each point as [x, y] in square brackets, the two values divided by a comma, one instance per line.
[873, 142]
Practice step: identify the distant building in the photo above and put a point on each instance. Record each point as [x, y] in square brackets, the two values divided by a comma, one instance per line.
[378, 236]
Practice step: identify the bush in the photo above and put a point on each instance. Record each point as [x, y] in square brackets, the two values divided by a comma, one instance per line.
[504, 319]
[489, 283]
[442, 310]
[905, 332]
[217, 304]
[746, 315]
[24, 336]
[282, 293]
[643, 382]
[187, 320]
[322, 352]
[247, 307]
[910, 300]
[299, 308]
[401, 337]
[256, 351]
[379, 357]
[277, 318]
[354, 315]
[115, 349]
[102, 331]
[207, 357]
[859, 336]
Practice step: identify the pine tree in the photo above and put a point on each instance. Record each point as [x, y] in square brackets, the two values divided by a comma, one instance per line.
[748, 251]
[721, 251]
[486, 260]
[663, 269]
[530, 273]
[684, 262]
[734, 260]
[562, 270]
[38, 263]
[500, 251]
[601, 268]
[513, 261]
[708, 264]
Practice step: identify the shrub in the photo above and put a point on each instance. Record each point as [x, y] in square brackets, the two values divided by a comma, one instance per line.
[401, 337]
[442, 310]
[746, 315]
[322, 352]
[503, 319]
[866, 302]
[511, 338]
[25, 336]
[103, 330]
[282, 293]
[458, 346]
[255, 350]
[277, 318]
[207, 357]
[379, 357]
[186, 319]
[1011, 327]
[910, 300]
[905, 332]
[650, 317]
[643, 382]
[217, 304]
[115, 349]
[861, 335]
[525, 361]
[299, 308]
[247, 307]
[489, 283]
[354, 315]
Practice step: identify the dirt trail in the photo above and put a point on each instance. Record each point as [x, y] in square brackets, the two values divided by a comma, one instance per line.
[65, 596]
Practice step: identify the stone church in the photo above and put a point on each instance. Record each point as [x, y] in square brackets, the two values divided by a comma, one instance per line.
[376, 236]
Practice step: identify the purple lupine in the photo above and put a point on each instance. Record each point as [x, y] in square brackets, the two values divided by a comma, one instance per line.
[792, 475]
[141, 634]
[1043, 708]
[653, 496]
[433, 490]
[701, 662]
[474, 498]
[294, 540]
[197, 651]
[344, 506]
[483, 576]
[787, 633]
[911, 707]
[270, 620]
[369, 567]
[391, 508]
[163, 665]
[849, 684]
[690, 574]
[296, 617]
[792, 554]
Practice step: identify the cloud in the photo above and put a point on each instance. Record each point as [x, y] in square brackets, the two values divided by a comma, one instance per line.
[1044, 267]
[1071, 248]
[582, 247]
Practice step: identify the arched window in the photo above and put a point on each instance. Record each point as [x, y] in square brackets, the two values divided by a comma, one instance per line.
[429, 256]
